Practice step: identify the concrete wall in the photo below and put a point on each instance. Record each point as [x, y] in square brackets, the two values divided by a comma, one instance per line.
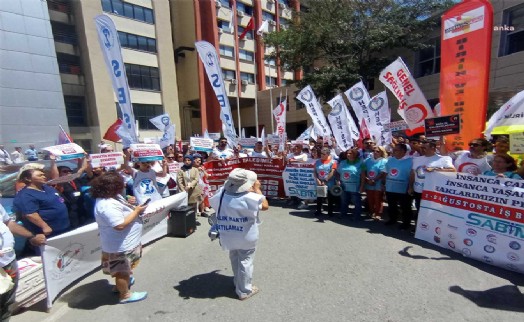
[31, 99]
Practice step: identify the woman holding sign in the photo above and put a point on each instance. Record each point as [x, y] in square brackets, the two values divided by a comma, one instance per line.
[120, 228]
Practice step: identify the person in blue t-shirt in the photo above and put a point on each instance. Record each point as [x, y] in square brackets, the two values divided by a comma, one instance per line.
[374, 165]
[325, 176]
[41, 208]
[350, 177]
[396, 174]
[504, 166]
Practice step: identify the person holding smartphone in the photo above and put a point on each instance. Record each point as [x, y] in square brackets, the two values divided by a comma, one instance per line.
[120, 228]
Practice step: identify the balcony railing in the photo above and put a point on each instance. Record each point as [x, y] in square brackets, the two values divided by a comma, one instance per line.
[59, 6]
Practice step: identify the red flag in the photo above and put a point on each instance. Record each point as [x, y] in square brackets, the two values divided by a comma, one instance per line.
[465, 65]
[63, 137]
[111, 132]
[364, 132]
[250, 26]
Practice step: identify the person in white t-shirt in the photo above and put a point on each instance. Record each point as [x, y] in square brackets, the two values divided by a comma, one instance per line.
[259, 152]
[238, 204]
[429, 162]
[297, 155]
[8, 263]
[475, 160]
[222, 152]
[120, 228]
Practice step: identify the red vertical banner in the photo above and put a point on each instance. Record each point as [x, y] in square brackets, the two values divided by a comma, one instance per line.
[465, 62]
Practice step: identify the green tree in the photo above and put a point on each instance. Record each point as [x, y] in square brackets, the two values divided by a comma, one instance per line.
[335, 42]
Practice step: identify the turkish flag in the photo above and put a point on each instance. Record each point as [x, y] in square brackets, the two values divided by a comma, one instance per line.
[364, 133]
[111, 132]
[250, 26]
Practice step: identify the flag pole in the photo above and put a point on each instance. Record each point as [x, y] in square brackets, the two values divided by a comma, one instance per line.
[237, 66]
[271, 101]
[256, 83]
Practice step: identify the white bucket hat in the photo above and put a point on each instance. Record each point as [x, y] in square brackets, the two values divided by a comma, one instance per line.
[240, 180]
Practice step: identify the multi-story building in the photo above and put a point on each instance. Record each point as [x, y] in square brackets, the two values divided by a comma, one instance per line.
[247, 70]
[144, 28]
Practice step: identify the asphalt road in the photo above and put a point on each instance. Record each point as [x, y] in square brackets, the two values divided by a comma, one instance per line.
[336, 270]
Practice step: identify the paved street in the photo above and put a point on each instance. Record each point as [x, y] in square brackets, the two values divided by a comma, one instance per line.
[307, 271]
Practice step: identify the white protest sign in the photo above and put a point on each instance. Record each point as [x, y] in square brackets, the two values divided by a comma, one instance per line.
[112, 159]
[66, 151]
[248, 142]
[516, 141]
[201, 144]
[299, 180]
[395, 126]
[146, 152]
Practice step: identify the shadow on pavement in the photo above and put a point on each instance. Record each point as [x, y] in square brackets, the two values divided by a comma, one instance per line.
[507, 298]
[91, 296]
[206, 286]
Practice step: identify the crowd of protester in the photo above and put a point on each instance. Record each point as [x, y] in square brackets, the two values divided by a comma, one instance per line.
[356, 183]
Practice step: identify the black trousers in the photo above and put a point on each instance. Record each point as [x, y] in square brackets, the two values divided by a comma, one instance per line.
[331, 200]
[399, 203]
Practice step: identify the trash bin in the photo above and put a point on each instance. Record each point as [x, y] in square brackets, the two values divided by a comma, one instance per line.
[181, 222]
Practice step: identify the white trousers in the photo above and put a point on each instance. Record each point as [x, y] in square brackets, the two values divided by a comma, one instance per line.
[242, 264]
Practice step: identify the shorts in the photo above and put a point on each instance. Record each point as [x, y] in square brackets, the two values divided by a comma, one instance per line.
[123, 262]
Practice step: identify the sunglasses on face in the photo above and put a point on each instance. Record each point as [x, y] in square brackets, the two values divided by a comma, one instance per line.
[170, 158]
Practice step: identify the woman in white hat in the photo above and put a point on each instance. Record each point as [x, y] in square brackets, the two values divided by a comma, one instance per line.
[238, 203]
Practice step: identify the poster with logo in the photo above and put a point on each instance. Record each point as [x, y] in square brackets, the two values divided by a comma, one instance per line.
[112, 159]
[69, 256]
[201, 144]
[299, 180]
[443, 125]
[248, 143]
[66, 151]
[478, 216]
[516, 143]
[146, 152]
[269, 173]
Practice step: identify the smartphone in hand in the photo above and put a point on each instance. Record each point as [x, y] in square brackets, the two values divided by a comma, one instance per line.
[146, 202]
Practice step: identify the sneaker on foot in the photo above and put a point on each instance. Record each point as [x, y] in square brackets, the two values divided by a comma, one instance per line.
[135, 297]
[254, 290]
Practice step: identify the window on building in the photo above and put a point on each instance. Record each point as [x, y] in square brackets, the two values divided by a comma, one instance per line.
[227, 51]
[284, 82]
[286, 2]
[224, 25]
[247, 77]
[271, 81]
[129, 10]
[512, 40]
[284, 24]
[242, 7]
[268, 16]
[64, 33]
[144, 112]
[75, 110]
[224, 3]
[68, 64]
[246, 55]
[428, 59]
[270, 61]
[228, 74]
[143, 77]
[249, 34]
[137, 42]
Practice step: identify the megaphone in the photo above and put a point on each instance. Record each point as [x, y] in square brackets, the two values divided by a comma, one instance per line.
[336, 191]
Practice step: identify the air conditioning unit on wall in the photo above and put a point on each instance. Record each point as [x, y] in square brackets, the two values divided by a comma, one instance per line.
[272, 22]
[244, 82]
[282, 6]
[240, 13]
[220, 31]
[218, 4]
[233, 81]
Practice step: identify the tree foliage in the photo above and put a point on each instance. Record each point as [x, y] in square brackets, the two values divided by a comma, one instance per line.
[335, 42]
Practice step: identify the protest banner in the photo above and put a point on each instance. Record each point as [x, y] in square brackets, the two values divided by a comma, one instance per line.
[516, 143]
[201, 144]
[269, 173]
[209, 57]
[338, 118]
[395, 126]
[509, 118]
[314, 109]
[413, 106]
[66, 151]
[146, 152]
[465, 55]
[299, 180]
[112, 159]
[442, 125]
[358, 97]
[478, 216]
[69, 256]
[248, 143]
[380, 114]
[110, 45]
